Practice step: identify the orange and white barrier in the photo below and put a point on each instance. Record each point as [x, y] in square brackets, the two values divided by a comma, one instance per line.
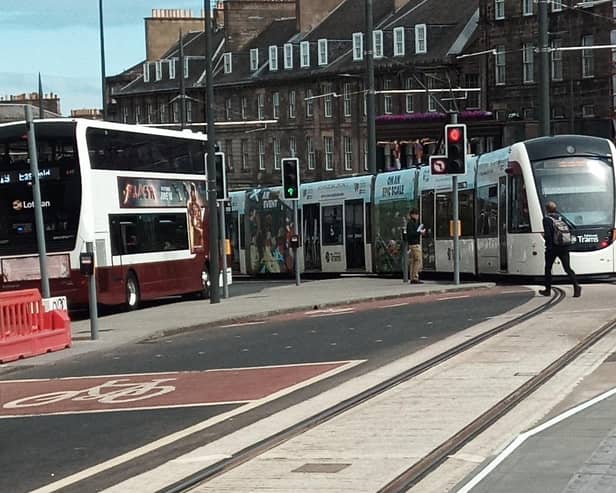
[26, 329]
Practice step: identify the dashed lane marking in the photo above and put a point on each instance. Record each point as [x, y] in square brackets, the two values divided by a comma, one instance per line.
[241, 324]
[453, 297]
[393, 306]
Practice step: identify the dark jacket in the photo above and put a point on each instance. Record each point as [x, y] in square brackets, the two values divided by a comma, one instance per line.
[412, 236]
[548, 231]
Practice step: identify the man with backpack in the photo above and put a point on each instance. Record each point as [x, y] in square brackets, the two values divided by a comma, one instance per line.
[558, 238]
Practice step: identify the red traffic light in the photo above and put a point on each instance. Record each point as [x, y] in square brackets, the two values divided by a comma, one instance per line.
[454, 135]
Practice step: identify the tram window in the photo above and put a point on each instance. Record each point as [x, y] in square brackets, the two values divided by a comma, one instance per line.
[332, 225]
[519, 219]
[487, 211]
[465, 201]
[444, 214]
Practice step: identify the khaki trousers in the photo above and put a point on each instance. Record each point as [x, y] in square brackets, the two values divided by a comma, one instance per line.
[415, 262]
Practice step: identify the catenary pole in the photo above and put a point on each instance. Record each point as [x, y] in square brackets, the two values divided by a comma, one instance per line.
[544, 69]
[369, 55]
[211, 159]
[102, 42]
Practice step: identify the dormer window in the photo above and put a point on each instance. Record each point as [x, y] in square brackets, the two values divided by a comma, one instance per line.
[273, 58]
[186, 68]
[159, 70]
[228, 63]
[304, 54]
[288, 56]
[399, 41]
[322, 46]
[421, 46]
[254, 59]
[377, 44]
[358, 46]
[146, 72]
[172, 68]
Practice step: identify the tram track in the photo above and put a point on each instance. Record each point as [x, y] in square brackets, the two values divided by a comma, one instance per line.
[416, 471]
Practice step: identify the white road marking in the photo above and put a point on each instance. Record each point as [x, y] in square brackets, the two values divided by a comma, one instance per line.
[174, 437]
[454, 297]
[520, 439]
[329, 311]
[393, 306]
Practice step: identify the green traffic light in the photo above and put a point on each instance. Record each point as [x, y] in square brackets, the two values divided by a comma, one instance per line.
[291, 191]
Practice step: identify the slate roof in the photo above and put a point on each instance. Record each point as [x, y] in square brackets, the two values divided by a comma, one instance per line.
[12, 112]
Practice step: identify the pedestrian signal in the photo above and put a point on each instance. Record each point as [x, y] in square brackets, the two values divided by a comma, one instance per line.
[290, 178]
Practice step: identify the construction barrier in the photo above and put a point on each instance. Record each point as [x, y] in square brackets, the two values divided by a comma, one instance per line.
[26, 329]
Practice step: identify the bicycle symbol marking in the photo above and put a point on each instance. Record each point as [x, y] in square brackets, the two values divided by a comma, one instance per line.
[110, 392]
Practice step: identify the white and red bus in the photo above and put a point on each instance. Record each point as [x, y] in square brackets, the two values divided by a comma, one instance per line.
[137, 193]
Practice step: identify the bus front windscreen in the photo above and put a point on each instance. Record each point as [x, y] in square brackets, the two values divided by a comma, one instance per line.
[60, 191]
[582, 188]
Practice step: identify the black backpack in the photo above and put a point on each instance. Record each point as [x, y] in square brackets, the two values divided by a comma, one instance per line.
[562, 234]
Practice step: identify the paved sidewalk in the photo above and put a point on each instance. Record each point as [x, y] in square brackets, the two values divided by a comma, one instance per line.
[122, 328]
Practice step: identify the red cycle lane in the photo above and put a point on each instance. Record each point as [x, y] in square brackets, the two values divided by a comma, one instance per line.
[157, 390]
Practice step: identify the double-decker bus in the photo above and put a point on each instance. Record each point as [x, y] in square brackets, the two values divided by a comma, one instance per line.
[137, 193]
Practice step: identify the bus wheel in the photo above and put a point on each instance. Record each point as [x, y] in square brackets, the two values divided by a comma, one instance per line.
[133, 296]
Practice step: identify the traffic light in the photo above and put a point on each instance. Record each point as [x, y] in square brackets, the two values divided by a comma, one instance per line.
[290, 178]
[455, 149]
[221, 177]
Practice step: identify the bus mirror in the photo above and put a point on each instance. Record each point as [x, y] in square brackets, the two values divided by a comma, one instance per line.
[86, 263]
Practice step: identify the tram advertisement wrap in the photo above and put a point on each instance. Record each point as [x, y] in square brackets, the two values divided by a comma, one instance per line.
[393, 200]
[269, 227]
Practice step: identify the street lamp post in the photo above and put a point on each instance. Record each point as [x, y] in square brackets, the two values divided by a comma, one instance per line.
[211, 159]
[102, 38]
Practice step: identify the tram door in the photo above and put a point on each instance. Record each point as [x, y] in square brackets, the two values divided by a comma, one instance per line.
[354, 234]
[311, 230]
[502, 222]
[427, 218]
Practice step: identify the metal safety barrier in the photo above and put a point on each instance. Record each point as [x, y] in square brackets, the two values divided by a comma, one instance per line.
[26, 329]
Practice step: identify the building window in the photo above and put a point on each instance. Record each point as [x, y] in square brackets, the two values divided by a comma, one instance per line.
[124, 113]
[529, 113]
[261, 106]
[348, 153]
[146, 72]
[276, 105]
[228, 63]
[409, 100]
[172, 68]
[261, 147]
[149, 109]
[472, 98]
[273, 58]
[557, 5]
[244, 107]
[276, 146]
[430, 83]
[228, 109]
[527, 7]
[377, 44]
[528, 62]
[347, 99]
[254, 59]
[229, 155]
[399, 41]
[244, 148]
[292, 146]
[288, 56]
[159, 70]
[310, 153]
[557, 60]
[304, 54]
[500, 65]
[387, 98]
[292, 104]
[162, 109]
[322, 47]
[328, 101]
[176, 112]
[420, 39]
[588, 68]
[309, 103]
[499, 9]
[358, 46]
[186, 71]
[138, 114]
[328, 143]
[588, 110]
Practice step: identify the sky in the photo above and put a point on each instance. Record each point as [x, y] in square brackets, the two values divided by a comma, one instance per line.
[61, 40]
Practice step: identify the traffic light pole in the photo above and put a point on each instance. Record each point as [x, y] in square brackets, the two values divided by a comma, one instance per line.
[456, 218]
[223, 249]
[296, 253]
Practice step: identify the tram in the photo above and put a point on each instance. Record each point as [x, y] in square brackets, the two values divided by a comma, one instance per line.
[355, 224]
